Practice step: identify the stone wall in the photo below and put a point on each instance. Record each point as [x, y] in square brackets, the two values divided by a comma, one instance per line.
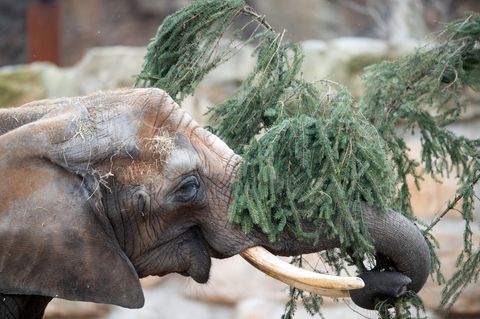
[236, 290]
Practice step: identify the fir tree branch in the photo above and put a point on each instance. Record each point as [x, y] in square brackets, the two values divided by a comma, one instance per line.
[260, 18]
[451, 205]
[319, 157]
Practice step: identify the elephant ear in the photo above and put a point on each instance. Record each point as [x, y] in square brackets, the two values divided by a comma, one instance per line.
[53, 244]
[53, 241]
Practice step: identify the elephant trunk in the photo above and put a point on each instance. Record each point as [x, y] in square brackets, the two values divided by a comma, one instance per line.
[403, 259]
[404, 256]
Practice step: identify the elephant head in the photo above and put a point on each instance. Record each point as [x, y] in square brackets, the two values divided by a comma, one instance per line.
[101, 190]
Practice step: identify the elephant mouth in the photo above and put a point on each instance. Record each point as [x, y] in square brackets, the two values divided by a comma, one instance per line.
[187, 254]
[196, 255]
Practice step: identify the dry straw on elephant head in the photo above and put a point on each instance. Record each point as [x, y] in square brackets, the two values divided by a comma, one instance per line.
[161, 145]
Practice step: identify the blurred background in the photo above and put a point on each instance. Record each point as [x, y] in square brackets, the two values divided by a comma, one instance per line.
[70, 47]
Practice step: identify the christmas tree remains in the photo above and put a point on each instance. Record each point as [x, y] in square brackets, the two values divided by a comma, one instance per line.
[295, 136]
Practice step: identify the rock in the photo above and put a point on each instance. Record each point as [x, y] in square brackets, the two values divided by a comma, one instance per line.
[65, 309]
[236, 69]
[21, 84]
[342, 60]
[472, 112]
[108, 68]
[197, 105]
[356, 46]
[433, 196]
[100, 69]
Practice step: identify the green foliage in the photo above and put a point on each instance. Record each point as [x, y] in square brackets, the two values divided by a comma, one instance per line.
[311, 302]
[186, 46]
[468, 273]
[408, 306]
[310, 155]
[423, 92]
[318, 170]
[254, 106]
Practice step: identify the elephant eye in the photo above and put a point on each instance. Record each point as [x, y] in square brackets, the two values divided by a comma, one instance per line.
[188, 189]
[141, 202]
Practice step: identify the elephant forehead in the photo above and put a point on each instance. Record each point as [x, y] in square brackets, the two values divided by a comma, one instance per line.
[180, 162]
[156, 171]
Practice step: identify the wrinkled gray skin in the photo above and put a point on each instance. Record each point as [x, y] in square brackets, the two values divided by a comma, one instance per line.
[101, 190]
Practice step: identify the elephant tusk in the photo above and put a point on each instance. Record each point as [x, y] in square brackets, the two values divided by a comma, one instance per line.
[320, 284]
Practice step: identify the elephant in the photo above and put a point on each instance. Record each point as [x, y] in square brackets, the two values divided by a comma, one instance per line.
[104, 189]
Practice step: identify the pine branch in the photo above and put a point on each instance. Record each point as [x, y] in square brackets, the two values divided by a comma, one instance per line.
[423, 92]
[451, 205]
[250, 11]
[319, 158]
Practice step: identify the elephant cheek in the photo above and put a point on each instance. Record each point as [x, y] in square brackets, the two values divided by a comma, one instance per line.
[186, 254]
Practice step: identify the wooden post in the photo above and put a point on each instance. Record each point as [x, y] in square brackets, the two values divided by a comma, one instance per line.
[43, 32]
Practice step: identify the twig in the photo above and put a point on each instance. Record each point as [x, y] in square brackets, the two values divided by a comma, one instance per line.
[450, 206]
[250, 11]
